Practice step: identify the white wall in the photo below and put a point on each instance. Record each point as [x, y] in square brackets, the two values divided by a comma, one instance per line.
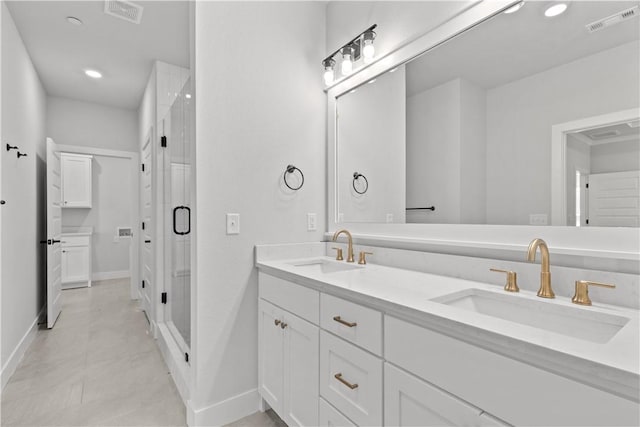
[23, 226]
[519, 119]
[446, 152]
[615, 157]
[255, 113]
[72, 122]
[372, 140]
[111, 188]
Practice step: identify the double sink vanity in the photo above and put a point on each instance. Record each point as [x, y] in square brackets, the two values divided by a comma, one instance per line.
[343, 343]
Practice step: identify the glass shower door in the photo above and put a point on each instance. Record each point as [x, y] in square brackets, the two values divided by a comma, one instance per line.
[178, 129]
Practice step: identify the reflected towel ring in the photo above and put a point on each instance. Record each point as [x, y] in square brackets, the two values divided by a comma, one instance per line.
[357, 176]
[292, 169]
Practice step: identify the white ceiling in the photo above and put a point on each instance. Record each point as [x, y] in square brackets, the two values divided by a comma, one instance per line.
[512, 46]
[124, 52]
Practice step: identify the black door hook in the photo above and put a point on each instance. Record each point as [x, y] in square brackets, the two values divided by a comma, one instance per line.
[21, 154]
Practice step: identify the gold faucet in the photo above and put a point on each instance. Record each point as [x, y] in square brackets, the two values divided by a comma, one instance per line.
[350, 247]
[545, 290]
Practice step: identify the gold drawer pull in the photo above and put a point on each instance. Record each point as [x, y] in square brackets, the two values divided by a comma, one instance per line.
[345, 382]
[345, 323]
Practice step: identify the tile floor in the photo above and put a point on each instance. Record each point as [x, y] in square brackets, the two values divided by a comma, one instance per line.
[97, 366]
[259, 419]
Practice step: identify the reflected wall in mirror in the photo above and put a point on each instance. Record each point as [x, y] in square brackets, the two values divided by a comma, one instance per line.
[467, 126]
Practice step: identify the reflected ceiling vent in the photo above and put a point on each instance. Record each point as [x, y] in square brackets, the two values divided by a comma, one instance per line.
[612, 20]
[124, 10]
[602, 135]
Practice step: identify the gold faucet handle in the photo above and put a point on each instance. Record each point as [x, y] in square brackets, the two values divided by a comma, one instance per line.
[512, 280]
[581, 295]
[338, 254]
[363, 257]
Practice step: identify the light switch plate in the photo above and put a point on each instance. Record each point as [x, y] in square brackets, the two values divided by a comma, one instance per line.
[312, 222]
[233, 223]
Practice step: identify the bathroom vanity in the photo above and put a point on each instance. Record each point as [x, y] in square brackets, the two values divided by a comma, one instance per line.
[348, 344]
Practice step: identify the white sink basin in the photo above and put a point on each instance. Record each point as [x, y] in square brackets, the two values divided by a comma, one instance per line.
[321, 265]
[573, 322]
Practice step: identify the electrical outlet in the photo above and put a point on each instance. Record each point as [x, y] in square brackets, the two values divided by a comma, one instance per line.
[538, 219]
[233, 223]
[312, 222]
[389, 218]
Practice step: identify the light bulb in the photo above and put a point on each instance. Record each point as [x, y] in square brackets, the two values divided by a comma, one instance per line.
[347, 66]
[368, 51]
[328, 76]
[555, 10]
[93, 74]
[516, 7]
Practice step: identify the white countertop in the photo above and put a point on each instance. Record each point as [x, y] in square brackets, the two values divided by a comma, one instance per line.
[613, 366]
[77, 231]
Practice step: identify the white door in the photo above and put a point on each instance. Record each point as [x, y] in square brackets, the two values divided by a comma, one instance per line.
[270, 349]
[614, 199]
[54, 231]
[146, 243]
[301, 377]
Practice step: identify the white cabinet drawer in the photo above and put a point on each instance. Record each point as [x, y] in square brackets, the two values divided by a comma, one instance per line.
[353, 322]
[301, 301]
[67, 241]
[468, 371]
[331, 417]
[351, 380]
[410, 401]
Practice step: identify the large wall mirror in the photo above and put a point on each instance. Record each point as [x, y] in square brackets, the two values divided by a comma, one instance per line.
[464, 132]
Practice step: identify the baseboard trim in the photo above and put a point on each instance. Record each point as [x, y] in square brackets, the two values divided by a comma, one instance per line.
[108, 275]
[174, 359]
[18, 353]
[224, 412]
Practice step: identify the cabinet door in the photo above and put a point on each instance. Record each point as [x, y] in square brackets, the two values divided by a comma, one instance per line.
[270, 352]
[75, 264]
[76, 181]
[301, 354]
[331, 417]
[411, 402]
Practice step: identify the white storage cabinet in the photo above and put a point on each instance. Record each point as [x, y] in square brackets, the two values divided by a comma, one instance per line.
[76, 180]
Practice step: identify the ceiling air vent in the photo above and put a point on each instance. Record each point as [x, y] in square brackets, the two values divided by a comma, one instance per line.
[603, 135]
[124, 10]
[613, 19]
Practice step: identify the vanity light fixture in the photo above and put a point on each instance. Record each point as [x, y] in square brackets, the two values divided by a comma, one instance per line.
[359, 46]
[516, 7]
[93, 74]
[555, 9]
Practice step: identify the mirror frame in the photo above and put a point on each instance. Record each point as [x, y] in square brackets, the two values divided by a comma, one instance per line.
[612, 249]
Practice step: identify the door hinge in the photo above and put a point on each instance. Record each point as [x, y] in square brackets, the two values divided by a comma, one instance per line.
[587, 185]
[163, 298]
[143, 284]
[163, 141]
[143, 225]
[142, 167]
[186, 357]
[587, 222]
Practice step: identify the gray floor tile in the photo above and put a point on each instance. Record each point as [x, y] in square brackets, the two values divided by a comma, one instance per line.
[97, 366]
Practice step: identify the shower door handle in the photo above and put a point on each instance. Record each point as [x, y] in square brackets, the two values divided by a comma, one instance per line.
[175, 224]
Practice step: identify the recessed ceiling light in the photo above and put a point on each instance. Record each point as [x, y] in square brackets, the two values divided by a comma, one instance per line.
[93, 74]
[516, 7]
[555, 9]
[73, 20]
